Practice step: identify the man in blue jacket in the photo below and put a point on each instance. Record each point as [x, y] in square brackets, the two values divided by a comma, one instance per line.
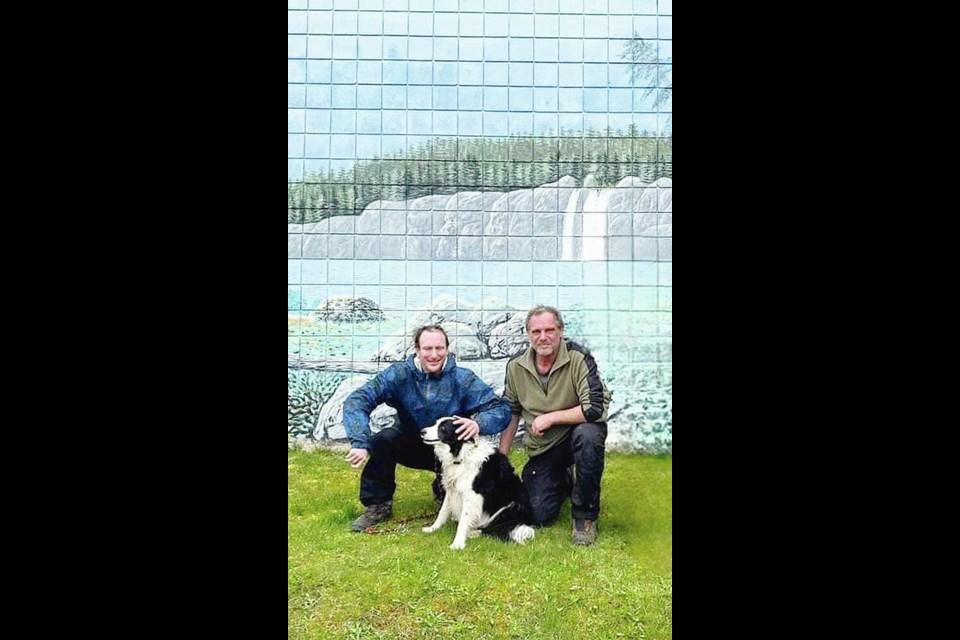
[423, 389]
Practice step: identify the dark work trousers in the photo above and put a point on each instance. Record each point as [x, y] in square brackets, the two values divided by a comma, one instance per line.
[388, 448]
[547, 479]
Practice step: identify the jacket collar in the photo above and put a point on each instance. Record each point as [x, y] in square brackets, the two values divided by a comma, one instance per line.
[448, 365]
[529, 360]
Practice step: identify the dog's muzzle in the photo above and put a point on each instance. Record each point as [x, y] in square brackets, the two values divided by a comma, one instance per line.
[430, 435]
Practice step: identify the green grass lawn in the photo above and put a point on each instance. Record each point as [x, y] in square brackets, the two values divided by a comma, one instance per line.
[402, 583]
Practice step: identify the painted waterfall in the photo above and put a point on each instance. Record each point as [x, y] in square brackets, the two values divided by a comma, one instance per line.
[475, 261]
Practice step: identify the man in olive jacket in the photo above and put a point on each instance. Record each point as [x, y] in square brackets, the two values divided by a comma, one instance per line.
[555, 387]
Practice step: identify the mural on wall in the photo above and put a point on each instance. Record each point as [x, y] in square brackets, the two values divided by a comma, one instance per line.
[441, 174]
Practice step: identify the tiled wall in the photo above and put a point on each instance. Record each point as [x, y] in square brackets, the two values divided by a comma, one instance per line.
[463, 161]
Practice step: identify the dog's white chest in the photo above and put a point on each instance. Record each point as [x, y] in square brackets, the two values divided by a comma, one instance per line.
[457, 484]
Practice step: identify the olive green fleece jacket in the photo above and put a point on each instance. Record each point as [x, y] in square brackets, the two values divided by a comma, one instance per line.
[573, 380]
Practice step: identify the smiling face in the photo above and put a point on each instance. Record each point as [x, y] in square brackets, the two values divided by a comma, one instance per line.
[432, 351]
[544, 334]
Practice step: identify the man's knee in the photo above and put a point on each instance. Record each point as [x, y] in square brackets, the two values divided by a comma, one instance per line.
[590, 434]
[384, 439]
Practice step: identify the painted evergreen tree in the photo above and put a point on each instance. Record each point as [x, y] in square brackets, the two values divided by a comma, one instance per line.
[649, 72]
[480, 164]
[408, 183]
[554, 166]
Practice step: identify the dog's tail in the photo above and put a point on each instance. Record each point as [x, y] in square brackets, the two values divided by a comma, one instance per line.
[522, 533]
[507, 524]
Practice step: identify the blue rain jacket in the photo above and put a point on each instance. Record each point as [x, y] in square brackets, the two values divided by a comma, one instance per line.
[421, 399]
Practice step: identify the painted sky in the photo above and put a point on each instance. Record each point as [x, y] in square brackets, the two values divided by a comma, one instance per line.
[367, 78]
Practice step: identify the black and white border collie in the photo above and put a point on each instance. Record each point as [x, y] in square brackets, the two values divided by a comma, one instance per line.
[484, 494]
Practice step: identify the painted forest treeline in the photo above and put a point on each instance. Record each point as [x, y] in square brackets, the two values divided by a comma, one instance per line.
[446, 166]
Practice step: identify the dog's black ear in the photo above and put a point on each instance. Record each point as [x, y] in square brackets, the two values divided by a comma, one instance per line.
[448, 430]
[448, 434]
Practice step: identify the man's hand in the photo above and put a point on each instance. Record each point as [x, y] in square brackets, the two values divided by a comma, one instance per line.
[357, 457]
[540, 424]
[468, 428]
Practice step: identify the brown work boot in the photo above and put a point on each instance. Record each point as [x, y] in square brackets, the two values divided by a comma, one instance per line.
[584, 531]
[375, 514]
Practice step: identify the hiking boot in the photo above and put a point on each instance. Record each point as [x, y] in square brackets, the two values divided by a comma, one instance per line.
[584, 531]
[375, 514]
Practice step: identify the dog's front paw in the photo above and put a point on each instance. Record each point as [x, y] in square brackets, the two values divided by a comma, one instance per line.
[458, 544]
[429, 529]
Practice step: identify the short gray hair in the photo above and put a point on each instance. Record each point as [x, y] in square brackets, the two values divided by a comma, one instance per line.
[542, 308]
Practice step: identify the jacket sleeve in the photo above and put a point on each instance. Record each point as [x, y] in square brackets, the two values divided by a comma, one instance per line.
[360, 403]
[594, 396]
[492, 412]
